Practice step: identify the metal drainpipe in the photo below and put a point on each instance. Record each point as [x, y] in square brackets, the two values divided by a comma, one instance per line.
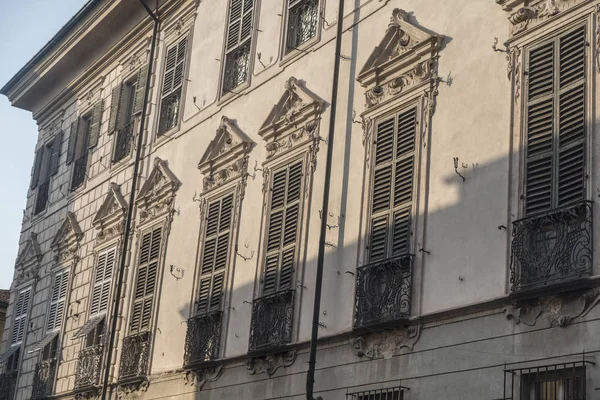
[124, 249]
[310, 377]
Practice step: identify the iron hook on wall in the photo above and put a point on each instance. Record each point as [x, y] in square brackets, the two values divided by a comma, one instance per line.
[456, 169]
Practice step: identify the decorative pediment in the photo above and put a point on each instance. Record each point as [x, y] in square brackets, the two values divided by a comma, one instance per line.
[157, 194]
[226, 155]
[523, 14]
[110, 218]
[31, 253]
[67, 238]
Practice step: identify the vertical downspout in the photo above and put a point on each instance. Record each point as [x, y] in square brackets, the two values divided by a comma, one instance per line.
[124, 249]
[310, 377]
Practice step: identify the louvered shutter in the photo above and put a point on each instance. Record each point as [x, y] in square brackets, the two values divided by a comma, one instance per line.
[20, 313]
[239, 28]
[96, 123]
[55, 156]
[57, 301]
[555, 141]
[102, 282]
[140, 88]
[173, 76]
[72, 141]
[146, 281]
[37, 167]
[115, 108]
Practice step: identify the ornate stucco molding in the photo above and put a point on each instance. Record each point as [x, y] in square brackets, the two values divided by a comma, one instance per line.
[132, 390]
[386, 345]
[269, 364]
[109, 221]
[157, 195]
[29, 260]
[67, 239]
[200, 377]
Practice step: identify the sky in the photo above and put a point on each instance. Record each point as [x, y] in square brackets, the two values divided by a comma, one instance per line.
[27, 25]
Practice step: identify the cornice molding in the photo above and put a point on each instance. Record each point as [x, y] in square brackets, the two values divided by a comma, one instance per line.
[109, 221]
[157, 194]
[66, 241]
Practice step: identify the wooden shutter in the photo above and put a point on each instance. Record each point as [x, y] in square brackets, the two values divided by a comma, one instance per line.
[72, 141]
[57, 301]
[55, 156]
[393, 182]
[282, 230]
[103, 282]
[140, 88]
[96, 123]
[239, 28]
[146, 281]
[173, 76]
[215, 254]
[37, 167]
[555, 140]
[20, 319]
[115, 108]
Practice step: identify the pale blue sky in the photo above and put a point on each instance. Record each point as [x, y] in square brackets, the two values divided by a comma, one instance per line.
[27, 25]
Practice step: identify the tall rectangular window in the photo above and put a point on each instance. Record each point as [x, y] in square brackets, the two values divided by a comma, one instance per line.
[57, 301]
[102, 282]
[45, 165]
[215, 254]
[555, 142]
[173, 77]
[121, 119]
[84, 135]
[238, 44]
[302, 22]
[282, 229]
[20, 316]
[145, 284]
[392, 187]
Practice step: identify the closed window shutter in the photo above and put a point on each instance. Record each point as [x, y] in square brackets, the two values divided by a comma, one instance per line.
[102, 282]
[55, 157]
[173, 77]
[96, 123]
[115, 108]
[57, 301]
[393, 181]
[37, 167]
[282, 230]
[20, 319]
[140, 88]
[240, 22]
[146, 281]
[72, 141]
[215, 254]
[555, 141]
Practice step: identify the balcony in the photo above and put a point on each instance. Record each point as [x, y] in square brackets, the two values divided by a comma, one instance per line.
[202, 339]
[552, 248]
[135, 355]
[123, 142]
[272, 318]
[8, 385]
[43, 380]
[89, 365]
[383, 292]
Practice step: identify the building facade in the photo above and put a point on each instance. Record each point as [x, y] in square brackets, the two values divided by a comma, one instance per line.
[170, 240]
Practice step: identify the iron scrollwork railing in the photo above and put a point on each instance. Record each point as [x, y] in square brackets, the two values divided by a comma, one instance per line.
[272, 318]
[551, 248]
[383, 291]
[135, 356]
[42, 197]
[302, 23]
[89, 365]
[202, 339]
[8, 385]
[123, 142]
[169, 112]
[43, 380]
[79, 172]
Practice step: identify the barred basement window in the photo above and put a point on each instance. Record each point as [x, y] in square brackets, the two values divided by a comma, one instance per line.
[145, 285]
[564, 381]
[302, 22]
[45, 165]
[57, 301]
[239, 42]
[102, 282]
[170, 102]
[21, 308]
[396, 393]
[555, 164]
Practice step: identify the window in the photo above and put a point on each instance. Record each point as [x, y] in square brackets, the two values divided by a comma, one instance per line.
[283, 223]
[94, 337]
[555, 142]
[57, 301]
[146, 281]
[392, 189]
[102, 282]
[565, 381]
[302, 22]
[121, 118]
[50, 351]
[12, 363]
[84, 135]
[215, 254]
[170, 102]
[45, 165]
[238, 44]
[379, 394]
[20, 319]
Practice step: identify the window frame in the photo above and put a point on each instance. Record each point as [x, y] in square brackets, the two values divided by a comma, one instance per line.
[45, 169]
[287, 56]
[129, 87]
[78, 153]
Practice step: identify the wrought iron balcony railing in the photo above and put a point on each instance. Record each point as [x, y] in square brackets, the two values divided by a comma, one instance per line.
[8, 385]
[272, 318]
[169, 112]
[135, 356]
[89, 365]
[202, 338]
[79, 172]
[123, 143]
[42, 197]
[552, 248]
[43, 380]
[383, 292]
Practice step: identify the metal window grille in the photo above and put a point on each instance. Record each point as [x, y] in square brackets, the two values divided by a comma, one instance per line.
[395, 393]
[303, 18]
[237, 46]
